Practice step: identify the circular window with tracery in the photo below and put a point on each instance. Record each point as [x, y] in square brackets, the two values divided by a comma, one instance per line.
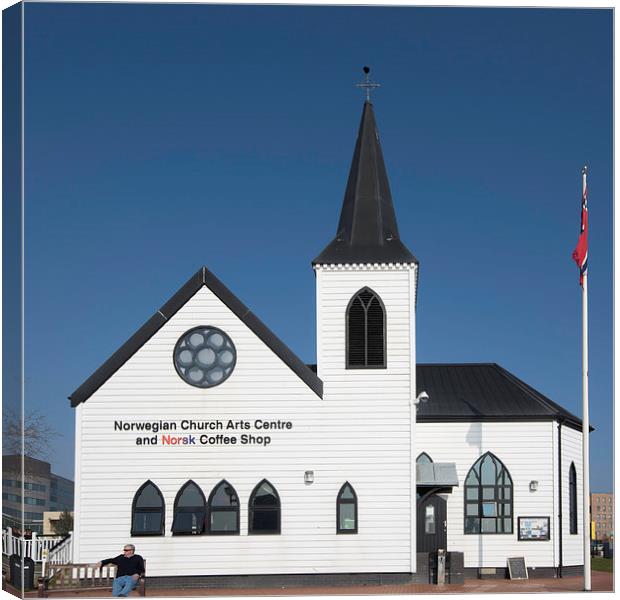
[204, 356]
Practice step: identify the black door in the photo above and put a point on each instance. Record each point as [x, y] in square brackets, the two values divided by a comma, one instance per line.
[432, 524]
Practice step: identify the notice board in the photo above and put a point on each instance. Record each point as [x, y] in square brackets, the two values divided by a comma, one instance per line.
[535, 529]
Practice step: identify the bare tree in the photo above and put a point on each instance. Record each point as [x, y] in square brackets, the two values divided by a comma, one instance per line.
[33, 429]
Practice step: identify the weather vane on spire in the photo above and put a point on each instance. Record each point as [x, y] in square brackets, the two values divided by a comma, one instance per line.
[368, 84]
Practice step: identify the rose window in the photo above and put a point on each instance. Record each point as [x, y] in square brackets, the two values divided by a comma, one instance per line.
[204, 356]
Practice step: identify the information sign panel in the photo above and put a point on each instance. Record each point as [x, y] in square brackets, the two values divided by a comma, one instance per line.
[533, 529]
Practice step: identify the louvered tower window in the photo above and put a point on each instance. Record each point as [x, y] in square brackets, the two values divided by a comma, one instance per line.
[366, 331]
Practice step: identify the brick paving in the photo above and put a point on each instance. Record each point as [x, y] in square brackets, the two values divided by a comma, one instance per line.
[601, 582]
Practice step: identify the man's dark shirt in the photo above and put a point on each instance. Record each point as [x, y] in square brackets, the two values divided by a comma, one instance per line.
[126, 565]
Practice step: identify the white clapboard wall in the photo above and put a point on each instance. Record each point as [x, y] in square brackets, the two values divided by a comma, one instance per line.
[381, 398]
[572, 550]
[359, 432]
[529, 452]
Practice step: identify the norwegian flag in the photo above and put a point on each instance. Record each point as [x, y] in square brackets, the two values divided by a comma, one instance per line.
[580, 254]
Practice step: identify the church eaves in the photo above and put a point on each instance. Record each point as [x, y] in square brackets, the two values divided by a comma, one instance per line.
[367, 230]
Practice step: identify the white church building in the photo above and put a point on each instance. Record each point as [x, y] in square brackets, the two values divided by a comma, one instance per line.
[206, 442]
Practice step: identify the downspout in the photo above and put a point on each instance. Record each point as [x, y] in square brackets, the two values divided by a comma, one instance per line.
[561, 534]
[413, 534]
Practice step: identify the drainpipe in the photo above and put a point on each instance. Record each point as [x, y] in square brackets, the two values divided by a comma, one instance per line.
[561, 534]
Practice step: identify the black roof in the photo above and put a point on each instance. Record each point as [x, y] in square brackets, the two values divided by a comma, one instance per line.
[483, 392]
[202, 277]
[367, 230]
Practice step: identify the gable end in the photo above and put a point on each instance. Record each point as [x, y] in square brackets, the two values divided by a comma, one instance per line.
[202, 277]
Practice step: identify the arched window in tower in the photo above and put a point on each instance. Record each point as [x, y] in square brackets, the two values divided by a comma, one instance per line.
[572, 498]
[264, 513]
[365, 326]
[147, 511]
[223, 510]
[488, 497]
[189, 511]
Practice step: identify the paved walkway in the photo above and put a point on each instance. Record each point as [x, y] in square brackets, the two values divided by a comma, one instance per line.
[601, 582]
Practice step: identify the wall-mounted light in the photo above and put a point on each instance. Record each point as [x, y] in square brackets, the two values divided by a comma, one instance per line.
[533, 486]
[421, 397]
[309, 476]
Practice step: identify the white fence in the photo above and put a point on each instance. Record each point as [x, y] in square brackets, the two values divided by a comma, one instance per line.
[38, 548]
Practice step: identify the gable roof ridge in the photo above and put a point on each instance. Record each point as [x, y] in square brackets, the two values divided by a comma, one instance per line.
[202, 277]
[270, 339]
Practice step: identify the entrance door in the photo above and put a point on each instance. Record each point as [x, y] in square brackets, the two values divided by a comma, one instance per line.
[432, 524]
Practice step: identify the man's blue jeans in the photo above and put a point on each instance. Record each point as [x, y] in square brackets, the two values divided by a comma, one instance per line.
[121, 586]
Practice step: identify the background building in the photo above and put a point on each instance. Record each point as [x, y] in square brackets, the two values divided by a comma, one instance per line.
[51, 522]
[42, 491]
[602, 507]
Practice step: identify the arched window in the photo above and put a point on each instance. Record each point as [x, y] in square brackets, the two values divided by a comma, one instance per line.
[488, 497]
[264, 513]
[572, 498]
[424, 459]
[189, 510]
[147, 511]
[223, 510]
[365, 331]
[346, 510]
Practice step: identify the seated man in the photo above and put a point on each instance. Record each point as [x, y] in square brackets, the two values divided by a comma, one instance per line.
[129, 569]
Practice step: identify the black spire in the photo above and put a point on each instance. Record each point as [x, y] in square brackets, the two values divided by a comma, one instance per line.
[367, 231]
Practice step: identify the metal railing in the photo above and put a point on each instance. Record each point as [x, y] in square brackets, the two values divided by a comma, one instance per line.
[60, 553]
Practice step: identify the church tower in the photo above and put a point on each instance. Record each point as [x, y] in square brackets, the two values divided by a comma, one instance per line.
[366, 288]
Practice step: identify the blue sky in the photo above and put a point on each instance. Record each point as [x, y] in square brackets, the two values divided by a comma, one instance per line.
[163, 137]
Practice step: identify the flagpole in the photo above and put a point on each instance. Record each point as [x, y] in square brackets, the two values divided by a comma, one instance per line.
[587, 575]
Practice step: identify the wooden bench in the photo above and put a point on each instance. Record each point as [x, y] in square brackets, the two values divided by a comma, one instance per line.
[79, 577]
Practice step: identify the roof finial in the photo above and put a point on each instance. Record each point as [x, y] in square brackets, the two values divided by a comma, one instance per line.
[367, 84]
